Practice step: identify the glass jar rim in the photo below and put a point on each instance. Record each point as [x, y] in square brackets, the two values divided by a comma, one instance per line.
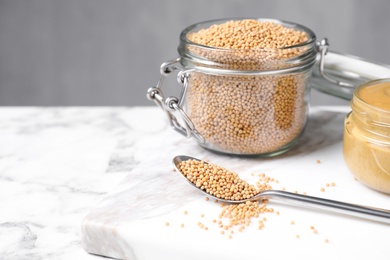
[358, 98]
[311, 35]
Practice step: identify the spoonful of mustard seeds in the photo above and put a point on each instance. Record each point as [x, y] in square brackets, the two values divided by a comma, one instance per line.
[226, 186]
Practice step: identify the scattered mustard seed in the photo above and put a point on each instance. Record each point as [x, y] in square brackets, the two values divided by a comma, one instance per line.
[225, 184]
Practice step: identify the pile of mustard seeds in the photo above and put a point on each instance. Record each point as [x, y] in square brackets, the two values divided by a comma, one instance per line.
[217, 181]
[225, 184]
[248, 34]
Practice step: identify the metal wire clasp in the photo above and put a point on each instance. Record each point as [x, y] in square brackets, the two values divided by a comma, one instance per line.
[172, 106]
[323, 47]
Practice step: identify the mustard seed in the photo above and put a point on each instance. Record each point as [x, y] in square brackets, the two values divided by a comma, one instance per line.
[217, 181]
[226, 184]
[247, 114]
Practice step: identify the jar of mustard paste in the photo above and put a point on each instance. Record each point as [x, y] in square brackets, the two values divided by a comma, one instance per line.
[367, 135]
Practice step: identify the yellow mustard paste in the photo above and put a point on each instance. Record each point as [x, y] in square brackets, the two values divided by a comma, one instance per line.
[367, 135]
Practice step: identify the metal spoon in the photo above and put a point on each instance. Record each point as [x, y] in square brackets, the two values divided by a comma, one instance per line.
[375, 214]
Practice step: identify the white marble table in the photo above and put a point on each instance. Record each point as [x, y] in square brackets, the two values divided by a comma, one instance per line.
[101, 179]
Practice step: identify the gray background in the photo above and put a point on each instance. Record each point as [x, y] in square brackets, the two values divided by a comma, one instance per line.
[108, 52]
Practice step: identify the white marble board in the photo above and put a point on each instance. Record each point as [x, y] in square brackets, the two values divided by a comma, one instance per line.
[130, 222]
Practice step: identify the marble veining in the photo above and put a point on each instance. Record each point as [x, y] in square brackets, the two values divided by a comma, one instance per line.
[57, 163]
[76, 183]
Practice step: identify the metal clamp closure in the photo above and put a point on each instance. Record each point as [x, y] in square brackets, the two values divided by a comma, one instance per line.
[173, 105]
[323, 47]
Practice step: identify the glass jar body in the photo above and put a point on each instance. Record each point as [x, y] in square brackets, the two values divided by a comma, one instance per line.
[247, 101]
[367, 144]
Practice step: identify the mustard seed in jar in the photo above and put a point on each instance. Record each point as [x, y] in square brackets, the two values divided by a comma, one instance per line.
[247, 93]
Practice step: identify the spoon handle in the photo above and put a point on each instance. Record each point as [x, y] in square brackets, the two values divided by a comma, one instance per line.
[375, 214]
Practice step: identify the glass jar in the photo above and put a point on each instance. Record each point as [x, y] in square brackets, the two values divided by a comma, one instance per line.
[241, 101]
[367, 135]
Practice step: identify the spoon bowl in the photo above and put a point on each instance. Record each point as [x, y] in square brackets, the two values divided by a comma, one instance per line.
[370, 213]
